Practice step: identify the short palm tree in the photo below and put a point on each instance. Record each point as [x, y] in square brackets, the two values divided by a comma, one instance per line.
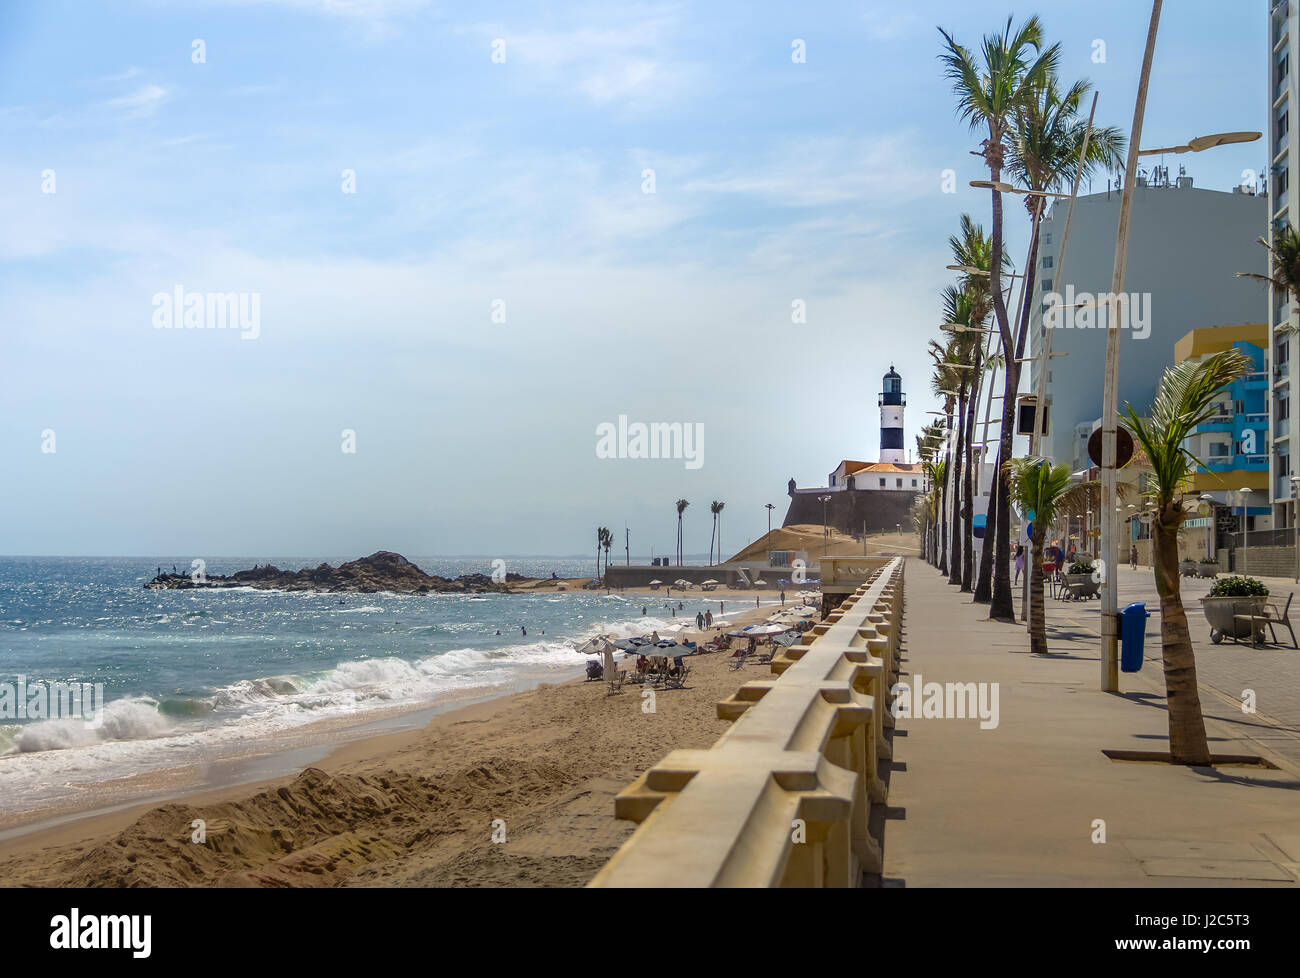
[1185, 399]
[608, 542]
[681, 508]
[1038, 487]
[601, 533]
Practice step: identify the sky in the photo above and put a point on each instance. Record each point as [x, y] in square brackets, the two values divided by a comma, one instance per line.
[443, 212]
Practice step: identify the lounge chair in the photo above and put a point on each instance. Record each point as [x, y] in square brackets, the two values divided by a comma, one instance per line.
[1272, 617]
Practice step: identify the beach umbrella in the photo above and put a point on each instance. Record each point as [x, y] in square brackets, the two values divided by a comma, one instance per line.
[656, 581]
[600, 645]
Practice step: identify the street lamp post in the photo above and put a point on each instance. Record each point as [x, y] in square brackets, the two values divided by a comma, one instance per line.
[1110, 401]
[1206, 498]
[1295, 481]
[770, 507]
[1245, 527]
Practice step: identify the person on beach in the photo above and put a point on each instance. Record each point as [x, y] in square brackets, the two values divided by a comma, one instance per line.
[699, 620]
[782, 599]
[708, 618]
[643, 611]
[524, 630]
[1020, 562]
[1133, 557]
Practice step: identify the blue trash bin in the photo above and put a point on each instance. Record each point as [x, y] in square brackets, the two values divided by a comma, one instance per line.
[1132, 634]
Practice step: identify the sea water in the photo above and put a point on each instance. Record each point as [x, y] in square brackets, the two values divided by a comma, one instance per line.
[196, 675]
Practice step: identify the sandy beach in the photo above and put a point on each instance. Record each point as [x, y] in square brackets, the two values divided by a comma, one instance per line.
[426, 807]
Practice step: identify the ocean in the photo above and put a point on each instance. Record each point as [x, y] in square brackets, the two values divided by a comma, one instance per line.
[191, 677]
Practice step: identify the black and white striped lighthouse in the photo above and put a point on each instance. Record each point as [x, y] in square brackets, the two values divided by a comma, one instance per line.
[892, 402]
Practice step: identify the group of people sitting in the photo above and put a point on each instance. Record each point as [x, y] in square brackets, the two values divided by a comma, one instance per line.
[1054, 558]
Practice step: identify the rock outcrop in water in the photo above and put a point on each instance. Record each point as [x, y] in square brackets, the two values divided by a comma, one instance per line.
[381, 571]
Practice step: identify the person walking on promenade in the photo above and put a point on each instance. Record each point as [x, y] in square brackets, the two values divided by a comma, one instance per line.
[1133, 557]
[1020, 562]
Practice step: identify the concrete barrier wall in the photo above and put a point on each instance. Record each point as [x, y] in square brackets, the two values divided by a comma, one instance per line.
[783, 798]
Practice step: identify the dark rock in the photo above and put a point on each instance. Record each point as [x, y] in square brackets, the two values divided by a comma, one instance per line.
[381, 571]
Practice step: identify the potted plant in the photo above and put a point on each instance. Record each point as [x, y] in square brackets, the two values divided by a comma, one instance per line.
[1229, 597]
[1083, 578]
[1208, 567]
[1187, 567]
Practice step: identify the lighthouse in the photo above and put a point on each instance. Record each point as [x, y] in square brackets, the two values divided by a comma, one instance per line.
[892, 402]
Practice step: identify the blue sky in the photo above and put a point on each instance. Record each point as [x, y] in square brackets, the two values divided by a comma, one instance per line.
[479, 181]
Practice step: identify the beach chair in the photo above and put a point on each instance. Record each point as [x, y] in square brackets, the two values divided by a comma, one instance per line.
[616, 683]
[738, 658]
[1272, 617]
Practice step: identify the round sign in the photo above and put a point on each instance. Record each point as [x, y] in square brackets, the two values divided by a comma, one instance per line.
[1123, 447]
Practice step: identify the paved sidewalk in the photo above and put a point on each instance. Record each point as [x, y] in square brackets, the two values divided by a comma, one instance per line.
[1018, 805]
[1225, 671]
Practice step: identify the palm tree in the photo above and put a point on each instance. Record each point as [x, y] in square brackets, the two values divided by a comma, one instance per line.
[716, 509]
[1044, 154]
[989, 92]
[608, 541]
[1038, 487]
[938, 486]
[601, 533]
[681, 508]
[965, 350]
[973, 249]
[1284, 260]
[1184, 400]
[946, 382]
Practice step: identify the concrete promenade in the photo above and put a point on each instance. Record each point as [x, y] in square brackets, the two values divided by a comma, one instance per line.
[1027, 803]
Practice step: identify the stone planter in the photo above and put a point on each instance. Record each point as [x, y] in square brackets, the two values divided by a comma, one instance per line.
[1220, 612]
[1083, 585]
[1207, 570]
[1187, 567]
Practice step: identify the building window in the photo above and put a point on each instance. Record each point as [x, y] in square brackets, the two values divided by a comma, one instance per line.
[1281, 181]
[1283, 124]
[1047, 261]
[1283, 408]
[1282, 351]
[900, 484]
[913, 483]
[1047, 285]
[882, 483]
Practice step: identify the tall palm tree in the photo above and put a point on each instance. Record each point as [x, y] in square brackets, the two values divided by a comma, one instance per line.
[965, 349]
[938, 482]
[1038, 487]
[990, 89]
[973, 249]
[608, 541]
[716, 509]
[681, 508]
[1185, 399]
[600, 542]
[1284, 266]
[1044, 154]
[943, 383]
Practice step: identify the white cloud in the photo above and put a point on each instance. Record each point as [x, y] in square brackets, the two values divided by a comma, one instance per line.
[633, 62]
[140, 103]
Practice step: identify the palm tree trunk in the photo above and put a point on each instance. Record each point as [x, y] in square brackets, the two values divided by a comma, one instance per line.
[1037, 613]
[939, 527]
[968, 510]
[1187, 743]
[955, 561]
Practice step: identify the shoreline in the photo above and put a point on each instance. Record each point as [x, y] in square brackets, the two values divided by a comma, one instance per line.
[50, 847]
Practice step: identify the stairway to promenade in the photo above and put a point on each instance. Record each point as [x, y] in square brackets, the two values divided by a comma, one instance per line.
[1033, 801]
